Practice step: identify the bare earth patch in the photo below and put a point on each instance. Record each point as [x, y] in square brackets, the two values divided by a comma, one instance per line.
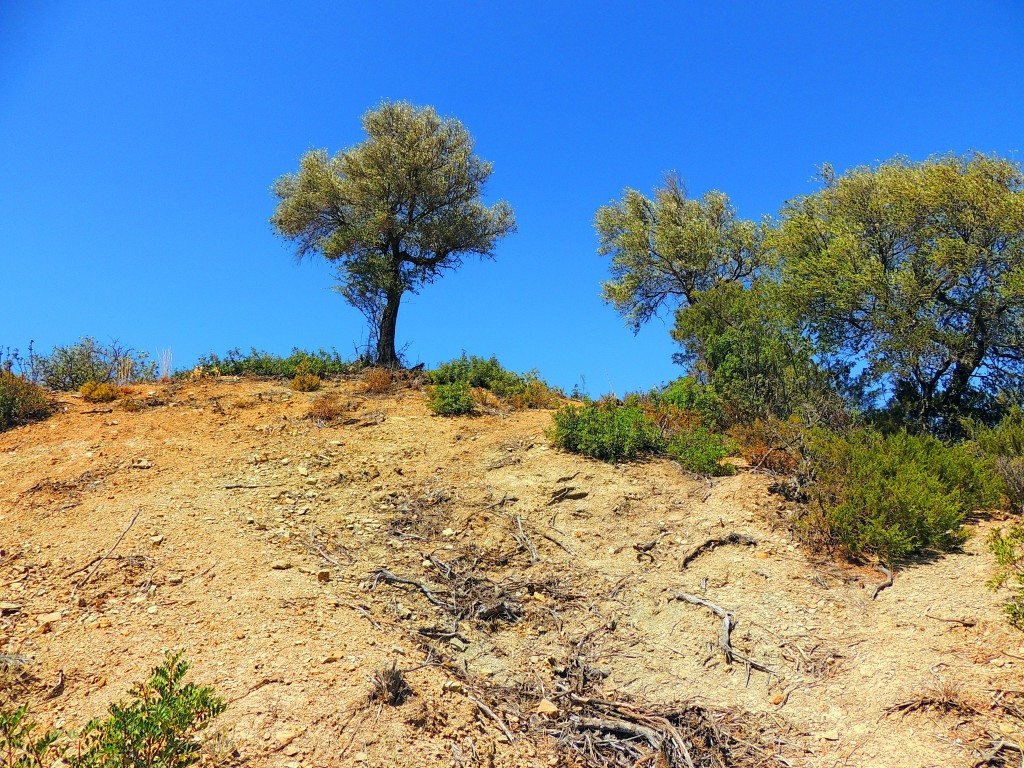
[390, 588]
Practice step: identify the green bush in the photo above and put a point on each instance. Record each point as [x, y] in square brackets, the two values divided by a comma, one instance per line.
[454, 399]
[526, 390]
[156, 728]
[688, 394]
[1009, 551]
[21, 401]
[701, 451]
[1004, 444]
[606, 430]
[897, 495]
[67, 368]
[322, 363]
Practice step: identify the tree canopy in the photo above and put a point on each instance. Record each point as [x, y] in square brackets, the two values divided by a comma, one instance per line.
[394, 212]
[905, 279]
[917, 270]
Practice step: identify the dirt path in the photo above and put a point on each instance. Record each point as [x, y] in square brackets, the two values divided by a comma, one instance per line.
[259, 546]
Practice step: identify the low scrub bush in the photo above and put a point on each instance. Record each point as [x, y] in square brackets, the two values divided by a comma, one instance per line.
[95, 392]
[451, 399]
[521, 391]
[1009, 551]
[1004, 444]
[379, 380]
[155, 728]
[700, 450]
[21, 401]
[897, 495]
[690, 396]
[67, 368]
[322, 363]
[606, 430]
[326, 409]
[305, 380]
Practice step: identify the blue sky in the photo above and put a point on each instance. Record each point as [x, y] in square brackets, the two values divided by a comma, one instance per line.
[138, 142]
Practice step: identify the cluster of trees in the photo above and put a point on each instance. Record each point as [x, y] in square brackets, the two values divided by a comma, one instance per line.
[895, 290]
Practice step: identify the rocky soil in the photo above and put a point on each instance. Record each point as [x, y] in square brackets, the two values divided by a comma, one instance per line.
[531, 600]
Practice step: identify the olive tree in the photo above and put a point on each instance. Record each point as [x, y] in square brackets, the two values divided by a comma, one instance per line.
[915, 269]
[394, 212]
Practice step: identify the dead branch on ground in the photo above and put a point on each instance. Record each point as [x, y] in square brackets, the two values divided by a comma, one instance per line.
[714, 543]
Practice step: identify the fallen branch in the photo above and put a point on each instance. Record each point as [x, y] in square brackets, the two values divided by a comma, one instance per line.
[497, 721]
[243, 485]
[725, 639]
[885, 584]
[713, 543]
[109, 553]
[388, 577]
[524, 541]
[961, 622]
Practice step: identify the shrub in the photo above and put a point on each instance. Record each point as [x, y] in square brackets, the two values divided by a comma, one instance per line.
[19, 748]
[379, 380]
[67, 368]
[688, 394]
[305, 381]
[1009, 552]
[156, 728]
[326, 409]
[701, 451]
[519, 390]
[131, 405]
[21, 401]
[606, 430]
[1004, 444]
[95, 392]
[897, 495]
[321, 363]
[454, 399]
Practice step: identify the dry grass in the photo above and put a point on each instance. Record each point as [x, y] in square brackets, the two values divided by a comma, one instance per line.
[306, 382]
[99, 393]
[326, 409]
[379, 381]
[389, 687]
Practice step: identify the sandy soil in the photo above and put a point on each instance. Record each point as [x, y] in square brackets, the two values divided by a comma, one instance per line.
[260, 540]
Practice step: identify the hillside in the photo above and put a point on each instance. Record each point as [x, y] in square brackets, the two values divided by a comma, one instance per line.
[531, 595]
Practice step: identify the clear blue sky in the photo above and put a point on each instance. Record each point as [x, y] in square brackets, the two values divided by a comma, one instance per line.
[138, 142]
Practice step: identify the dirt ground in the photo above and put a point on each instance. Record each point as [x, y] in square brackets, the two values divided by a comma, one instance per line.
[531, 596]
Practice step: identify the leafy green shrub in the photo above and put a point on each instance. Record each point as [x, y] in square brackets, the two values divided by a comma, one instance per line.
[452, 399]
[688, 394]
[18, 747]
[701, 451]
[321, 363]
[606, 430]
[95, 392]
[156, 728]
[1004, 444]
[897, 495]
[522, 391]
[67, 368]
[1009, 551]
[21, 401]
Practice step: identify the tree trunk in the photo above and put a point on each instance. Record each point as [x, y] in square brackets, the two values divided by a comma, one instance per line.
[386, 354]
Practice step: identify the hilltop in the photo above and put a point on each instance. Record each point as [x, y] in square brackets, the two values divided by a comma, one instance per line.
[530, 594]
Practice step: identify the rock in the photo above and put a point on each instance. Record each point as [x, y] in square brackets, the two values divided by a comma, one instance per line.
[777, 699]
[459, 644]
[997, 662]
[304, 471]
[285, 462]
[141, 464]
[48, 618]
[285, 736]
[156, 541]
[830, 736]
[762, 555]
[402, 612]
[448, 532]
[546, 708]
[9, 608]
[398, 649]
[280, 565]
[291, 750]
[174, 578]
[152, 609]
[323, 576]
[360, 757]
[452, 686]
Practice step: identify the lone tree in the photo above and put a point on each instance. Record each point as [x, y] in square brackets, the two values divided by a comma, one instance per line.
[394, 212]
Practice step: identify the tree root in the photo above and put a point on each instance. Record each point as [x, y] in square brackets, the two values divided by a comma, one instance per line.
[725, 639]
[713, 543]
[885, 584]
